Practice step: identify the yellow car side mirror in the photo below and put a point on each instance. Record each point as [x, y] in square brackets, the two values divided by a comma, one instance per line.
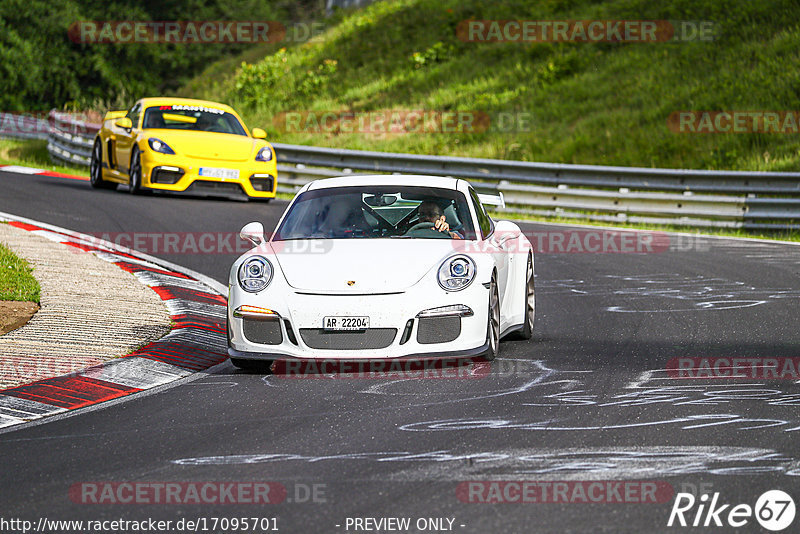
[124, 123]
[258, 133]
[111, 115]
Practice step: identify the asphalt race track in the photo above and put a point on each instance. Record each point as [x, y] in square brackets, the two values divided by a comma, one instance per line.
[588, 399]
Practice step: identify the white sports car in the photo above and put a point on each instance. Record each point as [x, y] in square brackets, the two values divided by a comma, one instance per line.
[374, 267]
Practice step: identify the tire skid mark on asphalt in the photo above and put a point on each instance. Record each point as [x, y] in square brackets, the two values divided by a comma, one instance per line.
[554, 387]
[665, 290]
[763, 253]
[581, 463]
[544, 373]
[196, 342]
[653, 387]
[689, 422]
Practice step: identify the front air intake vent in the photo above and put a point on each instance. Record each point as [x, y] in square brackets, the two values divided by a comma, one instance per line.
[263, 332]
[438, 329]
[166, 175]
[262, 182]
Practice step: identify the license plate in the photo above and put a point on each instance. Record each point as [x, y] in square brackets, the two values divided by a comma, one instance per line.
[338, 322]
[214, 172]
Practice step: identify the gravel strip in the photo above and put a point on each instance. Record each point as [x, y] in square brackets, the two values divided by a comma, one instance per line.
[91, 311]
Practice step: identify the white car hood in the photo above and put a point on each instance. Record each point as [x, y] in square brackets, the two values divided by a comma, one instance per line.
[373, 265]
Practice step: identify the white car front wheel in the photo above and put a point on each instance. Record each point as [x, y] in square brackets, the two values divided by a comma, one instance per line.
[493, 323]
[530, 301]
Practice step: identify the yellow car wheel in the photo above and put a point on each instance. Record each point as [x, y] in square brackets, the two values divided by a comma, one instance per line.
[135, 173]
[96, 169]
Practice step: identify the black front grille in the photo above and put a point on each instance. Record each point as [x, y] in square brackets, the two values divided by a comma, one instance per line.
[163, 176]
[202, 187]
[371, 338]
[438, 329]
[263, 332]
[262, 183]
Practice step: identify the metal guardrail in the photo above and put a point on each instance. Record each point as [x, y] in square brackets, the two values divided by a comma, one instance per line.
[70, 141]
[735, 182]
[733, 199]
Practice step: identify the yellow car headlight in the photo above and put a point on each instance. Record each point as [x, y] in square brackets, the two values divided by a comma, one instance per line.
[265, 154]
[159, 146]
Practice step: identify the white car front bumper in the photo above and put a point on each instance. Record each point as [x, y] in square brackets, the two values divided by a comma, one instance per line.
[295, 330]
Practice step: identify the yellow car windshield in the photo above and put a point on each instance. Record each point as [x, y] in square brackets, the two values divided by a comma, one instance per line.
[198, 118]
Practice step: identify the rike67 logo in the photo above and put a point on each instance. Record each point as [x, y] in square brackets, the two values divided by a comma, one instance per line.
[774, 510]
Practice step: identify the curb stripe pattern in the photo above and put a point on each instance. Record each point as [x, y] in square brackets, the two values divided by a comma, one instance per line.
[196, 342]
[40, 172]
[70, 392]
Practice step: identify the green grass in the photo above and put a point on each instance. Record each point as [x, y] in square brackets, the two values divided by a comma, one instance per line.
[604, 103]
[33, 153]
[16, 280]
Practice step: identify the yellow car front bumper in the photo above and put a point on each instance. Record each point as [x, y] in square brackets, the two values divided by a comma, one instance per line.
[167, 173]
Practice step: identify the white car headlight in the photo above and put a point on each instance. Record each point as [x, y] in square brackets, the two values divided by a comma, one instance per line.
[255, 274]
[456, 273]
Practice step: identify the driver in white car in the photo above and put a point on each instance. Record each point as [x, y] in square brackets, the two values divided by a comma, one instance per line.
[430, 213]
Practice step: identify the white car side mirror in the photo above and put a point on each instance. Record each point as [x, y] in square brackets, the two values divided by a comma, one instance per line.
[504, 231]
[253, 232]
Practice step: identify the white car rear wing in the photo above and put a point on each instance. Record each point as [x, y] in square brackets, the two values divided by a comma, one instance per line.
[492, 200]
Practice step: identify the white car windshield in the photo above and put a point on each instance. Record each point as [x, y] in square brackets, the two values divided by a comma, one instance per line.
[378, 212]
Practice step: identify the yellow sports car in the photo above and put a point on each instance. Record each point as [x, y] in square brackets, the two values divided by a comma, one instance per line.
[179, 144]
